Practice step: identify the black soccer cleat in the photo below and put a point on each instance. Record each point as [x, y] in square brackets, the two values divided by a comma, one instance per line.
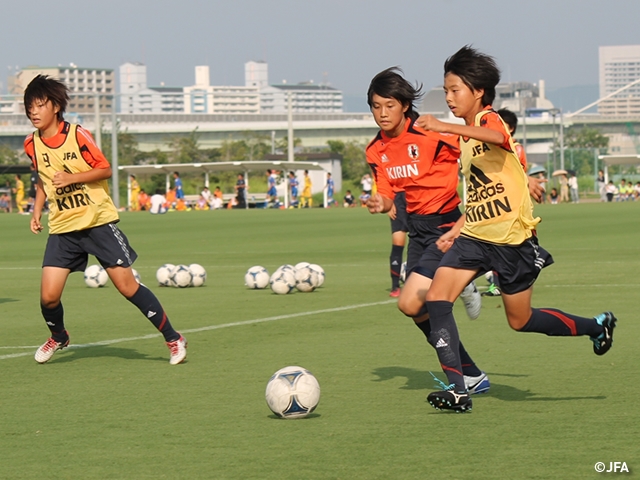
[602, 343]
[450, 400]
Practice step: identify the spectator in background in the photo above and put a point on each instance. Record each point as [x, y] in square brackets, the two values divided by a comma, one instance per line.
[573, 188]
[349, 200]
[330, 186]
[19, 192]
[364, 198]
[241, 192]
[293, 189]
[543, 194]
[33, 182]
[367, 184]
[636, 191]
[202, 203]
[171, 199]
[601, 185]
[216, 203]
[622, 191]
[511, 120]
[553, 196]
[144, 200]
[307, 200]
[207, 195]
[158, 203]
[5, 203]
[610, 191]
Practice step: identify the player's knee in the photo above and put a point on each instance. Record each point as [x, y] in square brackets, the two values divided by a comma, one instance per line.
[408, 307]
[517, 322]
[49, 302]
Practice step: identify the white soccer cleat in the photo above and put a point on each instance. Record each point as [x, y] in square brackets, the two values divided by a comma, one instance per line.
[178, 350]
[472, 300]
[479, 384]
[46, 351]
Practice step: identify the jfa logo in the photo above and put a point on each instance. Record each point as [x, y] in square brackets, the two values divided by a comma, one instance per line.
[413, 151]
[69, 156]
[613, 467]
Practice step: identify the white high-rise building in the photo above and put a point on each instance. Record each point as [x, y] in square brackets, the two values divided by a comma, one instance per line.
[619, 66]
[137, 97]
[256, 74]
[205, 98]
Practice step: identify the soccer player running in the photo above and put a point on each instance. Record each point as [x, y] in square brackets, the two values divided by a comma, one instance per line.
[497, 232]
[424, 165]
[73, 175]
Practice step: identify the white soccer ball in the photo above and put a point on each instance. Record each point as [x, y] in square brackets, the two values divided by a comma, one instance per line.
[292, 392]
[256, 277]
[181, 276]
[95, 276]
[301, 265]
[403, 272]
[282, 282]
[198, 275]
[136, 275]
[320, 272]
[306, 279]
[163, 275]
[287, 267]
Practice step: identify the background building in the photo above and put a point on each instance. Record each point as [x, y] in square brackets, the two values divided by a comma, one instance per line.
[205, 98]
[619, 66]
[137, 97]
[84, 85]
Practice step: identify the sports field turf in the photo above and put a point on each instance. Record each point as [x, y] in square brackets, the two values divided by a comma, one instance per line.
[120, 411]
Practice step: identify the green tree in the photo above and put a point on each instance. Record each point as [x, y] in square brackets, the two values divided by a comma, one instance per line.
[8, 156]
[581, 144]
[128, 152]
[184, 149]
[354, 162]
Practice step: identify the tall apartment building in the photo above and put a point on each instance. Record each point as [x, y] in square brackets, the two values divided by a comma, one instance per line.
[137, 97]
[619, 66]
[219, 99]
[85, 85]
[305, 98]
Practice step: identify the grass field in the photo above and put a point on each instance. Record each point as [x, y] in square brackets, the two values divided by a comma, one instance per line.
[119, 410]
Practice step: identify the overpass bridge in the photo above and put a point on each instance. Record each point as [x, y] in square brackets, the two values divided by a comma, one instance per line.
[155, 131]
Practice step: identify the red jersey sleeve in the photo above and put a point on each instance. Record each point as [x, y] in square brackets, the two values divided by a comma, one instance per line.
[29, 148]
[383, 186]
[90, 151]
[493, 121]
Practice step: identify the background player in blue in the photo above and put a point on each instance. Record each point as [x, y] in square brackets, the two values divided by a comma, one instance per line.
[178, 186]
[330, 186]
[293, 189]
[272, 192]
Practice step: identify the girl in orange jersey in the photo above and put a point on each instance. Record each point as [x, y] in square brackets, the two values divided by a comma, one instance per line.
[424, 167]
[73, 175]
[497, 232]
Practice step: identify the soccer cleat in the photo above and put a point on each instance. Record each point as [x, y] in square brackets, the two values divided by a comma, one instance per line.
[395, 293]
[479, 384]
[602, 343]
[178, 349]
[46, 351]
[492, 291]
[472, 300]
[450, 400]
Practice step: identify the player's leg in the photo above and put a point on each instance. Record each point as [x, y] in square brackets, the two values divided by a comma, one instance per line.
[398, 239]
[114, 253]
[53, 282]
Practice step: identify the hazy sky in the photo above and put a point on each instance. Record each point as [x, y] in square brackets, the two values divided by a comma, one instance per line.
[344, 42]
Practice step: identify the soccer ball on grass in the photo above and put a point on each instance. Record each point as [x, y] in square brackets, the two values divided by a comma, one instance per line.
[95, 276]
[292, 392]
[181, 276]
[198, 275]
[256, 277]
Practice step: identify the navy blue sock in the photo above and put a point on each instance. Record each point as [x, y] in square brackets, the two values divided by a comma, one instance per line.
[468, 365]
[395, 261]
[150, 307]
[55, 321]
[554, 322]
[444, 337]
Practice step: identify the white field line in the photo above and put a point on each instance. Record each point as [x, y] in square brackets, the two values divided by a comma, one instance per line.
[204, 329]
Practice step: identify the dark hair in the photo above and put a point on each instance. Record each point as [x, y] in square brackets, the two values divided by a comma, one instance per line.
[477, 70]
[509, 118]
[390, 83]
[18, 176]
[306, 171]
[176, 173]
[43, 87]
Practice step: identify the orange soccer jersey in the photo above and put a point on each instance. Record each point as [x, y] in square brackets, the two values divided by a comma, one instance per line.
[422, 163]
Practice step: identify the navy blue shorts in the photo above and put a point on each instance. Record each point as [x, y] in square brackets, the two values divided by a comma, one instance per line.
[518, 266]
[71, 250]
[400, 223]
[423, 256]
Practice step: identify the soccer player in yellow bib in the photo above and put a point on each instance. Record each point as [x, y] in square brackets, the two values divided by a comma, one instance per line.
[73, 175]
[135, 193]
[306, 199]
[19, 191]
[498, 233]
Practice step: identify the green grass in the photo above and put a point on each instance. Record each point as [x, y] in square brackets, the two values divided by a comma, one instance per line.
[120, 411]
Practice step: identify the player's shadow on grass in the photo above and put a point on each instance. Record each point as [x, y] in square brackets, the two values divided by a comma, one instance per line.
[7, 300]
[72, 354]
[422, 380]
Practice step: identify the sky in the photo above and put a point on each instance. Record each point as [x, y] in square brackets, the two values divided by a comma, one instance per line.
[340, 42]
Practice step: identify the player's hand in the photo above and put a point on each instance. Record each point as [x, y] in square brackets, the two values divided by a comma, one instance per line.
[62, 179]
[35, 225]
[536, 189]
[392, 213]
[375, 203]
[429, 122]
[445, 242]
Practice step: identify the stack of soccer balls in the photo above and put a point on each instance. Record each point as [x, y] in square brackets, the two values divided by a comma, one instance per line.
[292, 392]
[95, 276]
[181, 276]
[304, 277]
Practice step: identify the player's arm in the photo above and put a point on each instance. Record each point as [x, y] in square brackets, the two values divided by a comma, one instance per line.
[100, 168]
[379, 204]
[482, 134]
[62, 179]
[38, 205]
[446, 240]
